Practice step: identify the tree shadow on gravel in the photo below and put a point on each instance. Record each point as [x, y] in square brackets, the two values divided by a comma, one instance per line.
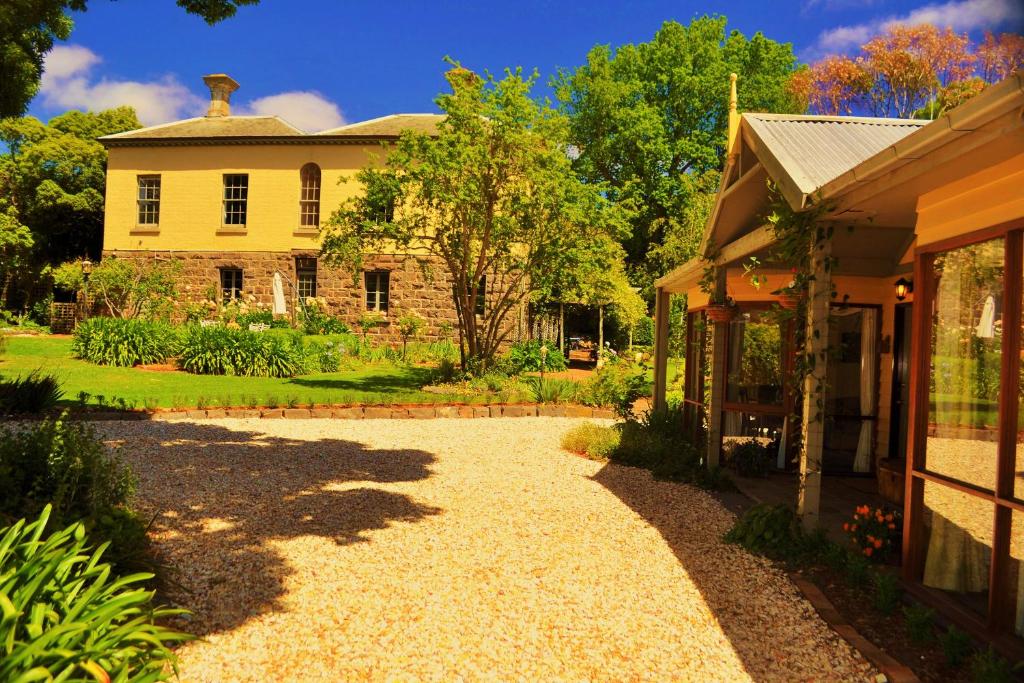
[728, 578]
[222, 498]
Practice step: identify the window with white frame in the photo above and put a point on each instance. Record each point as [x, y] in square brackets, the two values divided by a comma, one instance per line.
[377, 290]
[305, 277]
[148, 200]
[236, 198]
[309, 198]
[230, 284]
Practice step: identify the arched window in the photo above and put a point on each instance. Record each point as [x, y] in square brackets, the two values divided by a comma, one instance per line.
[309, 200]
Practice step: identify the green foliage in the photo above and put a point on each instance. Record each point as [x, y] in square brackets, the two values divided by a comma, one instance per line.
[857, 570]
[988, 667]
[526, 356]
[920, 623]
[618, 383]
[752, 459]
[67, 616]
[875, 532]
[770, 530]
[409, 326]
[255, 318]
[548, 390]
[315, 319]
[131, 288]
[956, 646]
[492, 195]
[650, 120]
[123, 342]
[592, 440]
[369, 321]
[887, 591]
[222, 350]
[31, 393]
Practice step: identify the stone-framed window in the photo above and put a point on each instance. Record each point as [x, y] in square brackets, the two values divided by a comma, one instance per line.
[378, 285]
[236, 198]
[305, 277]
[148, 200]
[230, 284]
[481, 296]
[309, 198]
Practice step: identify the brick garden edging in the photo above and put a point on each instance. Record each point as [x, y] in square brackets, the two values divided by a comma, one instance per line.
[361, 412]
[893, 669]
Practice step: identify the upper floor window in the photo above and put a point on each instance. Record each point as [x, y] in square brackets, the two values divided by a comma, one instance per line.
[305, 277]
[236, 198]
[148, 200]
[309, 199]
[380, 207]
[377, 290]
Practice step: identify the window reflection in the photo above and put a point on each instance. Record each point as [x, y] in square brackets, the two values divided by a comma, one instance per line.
[965, 363]
[755, 360]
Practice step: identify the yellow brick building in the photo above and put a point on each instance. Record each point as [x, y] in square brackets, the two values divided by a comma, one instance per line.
[239, 199]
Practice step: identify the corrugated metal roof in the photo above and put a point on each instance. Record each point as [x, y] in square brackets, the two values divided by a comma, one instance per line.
[816, 149]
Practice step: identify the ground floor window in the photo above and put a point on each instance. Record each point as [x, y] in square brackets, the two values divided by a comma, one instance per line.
[966, 512]
[230, 284]
[305, 277]
[377, 290]
[695, 376]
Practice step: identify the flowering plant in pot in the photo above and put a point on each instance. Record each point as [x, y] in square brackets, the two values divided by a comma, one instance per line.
[721, 308]
[790, 296]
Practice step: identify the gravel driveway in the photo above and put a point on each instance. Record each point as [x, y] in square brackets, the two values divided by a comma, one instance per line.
[455, 550]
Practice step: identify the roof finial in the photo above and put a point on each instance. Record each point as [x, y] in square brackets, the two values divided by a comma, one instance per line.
[734, 117]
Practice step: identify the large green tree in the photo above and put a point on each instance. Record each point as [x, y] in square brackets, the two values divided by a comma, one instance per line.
[649, 119]
[52, 180]
[492, 196]
[29, 27]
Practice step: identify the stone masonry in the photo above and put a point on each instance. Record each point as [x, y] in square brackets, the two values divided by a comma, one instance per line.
[417, 284]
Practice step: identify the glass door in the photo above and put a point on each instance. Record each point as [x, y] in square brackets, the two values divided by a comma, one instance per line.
[851, 394]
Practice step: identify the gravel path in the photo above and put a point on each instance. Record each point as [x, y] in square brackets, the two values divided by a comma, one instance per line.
[456, 550]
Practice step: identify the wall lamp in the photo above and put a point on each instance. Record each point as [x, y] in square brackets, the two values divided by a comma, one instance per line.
[904, 287]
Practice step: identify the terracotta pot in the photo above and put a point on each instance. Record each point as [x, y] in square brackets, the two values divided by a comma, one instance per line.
[720, 313]
[789, 301]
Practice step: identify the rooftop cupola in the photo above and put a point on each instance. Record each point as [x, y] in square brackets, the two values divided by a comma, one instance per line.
[221, 86]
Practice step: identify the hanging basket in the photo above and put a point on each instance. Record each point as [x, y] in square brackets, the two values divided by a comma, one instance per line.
[720, 313]
[789, 301]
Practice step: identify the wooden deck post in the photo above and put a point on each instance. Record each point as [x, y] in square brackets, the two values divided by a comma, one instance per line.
[661, 330]
[719, 334]
[813, 421]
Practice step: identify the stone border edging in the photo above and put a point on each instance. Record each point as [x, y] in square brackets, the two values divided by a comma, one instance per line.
[421, 412]
[893, 669]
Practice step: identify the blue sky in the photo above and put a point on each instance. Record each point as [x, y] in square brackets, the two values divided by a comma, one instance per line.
[321, 62]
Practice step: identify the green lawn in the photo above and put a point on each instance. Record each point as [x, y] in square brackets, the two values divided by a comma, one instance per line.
[377, 383]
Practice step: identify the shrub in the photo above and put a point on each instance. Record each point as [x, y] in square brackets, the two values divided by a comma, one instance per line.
[770, 530]
[525, 356]
[221, 351]
[446, 371]
[857, 570]
[591, 440]
[547, 390]
[874, 533]
[259, 318]
[956, 646]
[132, 288]
[618, 383]
[887, 591]
[408, 327]
[123, 343]
[67, 617]
[752, 459]
[920, 623]
[988, 667]
[315, 319]
[32, 393]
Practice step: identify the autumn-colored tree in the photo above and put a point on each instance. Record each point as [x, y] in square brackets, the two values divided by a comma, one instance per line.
[908, 71]
[999, 56]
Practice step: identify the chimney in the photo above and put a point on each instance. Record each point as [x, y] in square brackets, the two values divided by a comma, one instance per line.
[221, 86]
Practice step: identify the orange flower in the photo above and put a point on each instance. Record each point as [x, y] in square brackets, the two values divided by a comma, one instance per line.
[889, 517]
[868, 551]
[891, 525]
[871, 539]
[846, 526]
[878, 543]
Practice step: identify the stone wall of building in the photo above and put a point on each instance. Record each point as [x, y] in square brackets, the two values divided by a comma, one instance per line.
[417, 285]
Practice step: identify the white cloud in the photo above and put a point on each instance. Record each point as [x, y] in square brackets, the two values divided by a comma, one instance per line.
[960, 15]
[68, 84]
[305, 109]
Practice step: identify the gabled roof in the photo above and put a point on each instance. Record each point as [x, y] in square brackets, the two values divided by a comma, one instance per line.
[392, 125]
[213, 127]
[813, 150]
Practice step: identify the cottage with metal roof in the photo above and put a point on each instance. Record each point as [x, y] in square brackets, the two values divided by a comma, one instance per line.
[889, 366]
[239, 201]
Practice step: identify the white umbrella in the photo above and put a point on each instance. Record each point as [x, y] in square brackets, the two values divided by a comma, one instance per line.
[280, 308]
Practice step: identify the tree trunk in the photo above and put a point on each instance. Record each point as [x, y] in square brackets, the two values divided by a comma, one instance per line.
[561, 327]
[600, 335]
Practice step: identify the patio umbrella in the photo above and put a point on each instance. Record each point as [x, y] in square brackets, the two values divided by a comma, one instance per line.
[279, 305]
